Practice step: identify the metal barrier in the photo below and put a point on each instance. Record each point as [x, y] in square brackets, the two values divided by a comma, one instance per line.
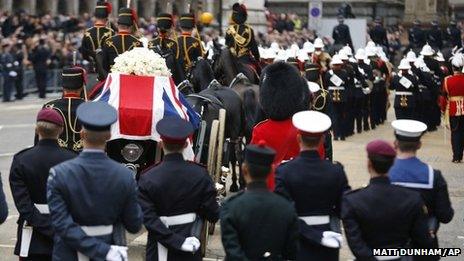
[54, 81]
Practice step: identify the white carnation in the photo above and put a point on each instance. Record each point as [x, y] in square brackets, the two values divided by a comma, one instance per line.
[142, 62]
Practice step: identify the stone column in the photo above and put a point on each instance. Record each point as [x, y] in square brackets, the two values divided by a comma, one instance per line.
[91, 6]
[73, 7]
[148, 8]
[29, 6]
[115, 4]
[7, 5]
[52, 6]
[425, 10]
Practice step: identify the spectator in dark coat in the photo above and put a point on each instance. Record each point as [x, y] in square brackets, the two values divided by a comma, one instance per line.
[40, 58]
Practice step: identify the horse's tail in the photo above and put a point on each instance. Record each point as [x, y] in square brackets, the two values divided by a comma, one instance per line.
[250, 107]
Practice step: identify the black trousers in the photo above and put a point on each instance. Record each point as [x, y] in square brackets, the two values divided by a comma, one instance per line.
[8, 84]
[404, 113]
[37, 257]
[41, 80]
[339, 119]
[358, 107]
[457, 136]
[19, 86]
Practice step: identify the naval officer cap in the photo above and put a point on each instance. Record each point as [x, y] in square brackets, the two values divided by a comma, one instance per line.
[311, 123]
[96, 116]
[380, 148]
[174, 130]
[260, 154]
[408, 130]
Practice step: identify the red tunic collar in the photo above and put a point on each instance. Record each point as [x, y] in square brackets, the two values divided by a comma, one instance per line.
[186, 34]
[71, 95]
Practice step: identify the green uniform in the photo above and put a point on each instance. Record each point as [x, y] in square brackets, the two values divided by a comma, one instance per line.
[258, 224]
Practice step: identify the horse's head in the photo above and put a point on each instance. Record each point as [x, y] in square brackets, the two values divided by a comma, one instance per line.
[200, 74]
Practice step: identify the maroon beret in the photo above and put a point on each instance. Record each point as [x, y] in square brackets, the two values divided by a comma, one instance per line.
[381, 148]
[50, 115]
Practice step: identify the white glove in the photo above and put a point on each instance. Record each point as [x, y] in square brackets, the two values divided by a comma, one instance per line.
[191, 244]
[117, 253]
[331, 239]
[13, 74]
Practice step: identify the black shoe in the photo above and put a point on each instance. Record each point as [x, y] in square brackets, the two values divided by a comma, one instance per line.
[456, 161]
[342, 138]
[366, 128]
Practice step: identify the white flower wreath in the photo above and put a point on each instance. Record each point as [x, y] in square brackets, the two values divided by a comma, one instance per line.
[141, 61]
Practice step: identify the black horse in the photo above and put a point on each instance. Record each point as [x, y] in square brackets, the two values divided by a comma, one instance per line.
[226, 67]
[212, 96]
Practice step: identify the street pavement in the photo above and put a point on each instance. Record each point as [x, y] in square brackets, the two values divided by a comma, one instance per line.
[17, 132]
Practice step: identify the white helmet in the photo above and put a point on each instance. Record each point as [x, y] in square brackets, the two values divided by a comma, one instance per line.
[427, 50]
[318, 43]
[342, 54]
[275, 46]
[370, 51]
[440, 57]
[281, 56]
[370, 44]
[458, 60]
[303, 55]
[419, 63]
[270, 54]
[291, 53]
[411, 56]
[348, 50]
[308, 47]
[360, 54]
[336, 60]
[404, 65]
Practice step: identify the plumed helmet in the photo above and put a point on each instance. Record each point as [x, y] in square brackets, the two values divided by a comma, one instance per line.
[187, 21]
[164, 21]
[239, 13]
[103, 9]
[283, 92]
[127, 16]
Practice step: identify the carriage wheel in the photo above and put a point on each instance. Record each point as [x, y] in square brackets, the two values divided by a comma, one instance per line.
[212, 147]
[220, 146]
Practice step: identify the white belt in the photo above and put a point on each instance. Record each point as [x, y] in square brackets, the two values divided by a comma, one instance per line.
[315, 220]
[333, 88]
[173, 221]
[26, 231]
[382, 258]
[358, 86]
[94, 231]
[403, 93]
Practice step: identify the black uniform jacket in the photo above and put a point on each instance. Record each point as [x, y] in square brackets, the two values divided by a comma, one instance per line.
[258, 223]
[93, 40]
[406, 90]
[70, 138]
[117, 45]
[240, 38]
[382, 215]
[175, 187]
[190, 49]
[28, 182]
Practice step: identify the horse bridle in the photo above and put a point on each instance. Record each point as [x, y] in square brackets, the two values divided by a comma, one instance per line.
[238, 78]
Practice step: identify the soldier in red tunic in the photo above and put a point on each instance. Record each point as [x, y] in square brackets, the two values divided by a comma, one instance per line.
[452, 104]
[283, 92]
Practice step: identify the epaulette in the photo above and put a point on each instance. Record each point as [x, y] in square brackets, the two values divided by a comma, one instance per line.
[261, 122]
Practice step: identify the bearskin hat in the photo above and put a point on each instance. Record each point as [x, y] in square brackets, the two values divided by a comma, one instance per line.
[239, 13]
[283, 92]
